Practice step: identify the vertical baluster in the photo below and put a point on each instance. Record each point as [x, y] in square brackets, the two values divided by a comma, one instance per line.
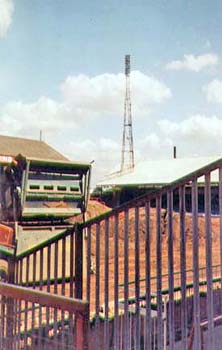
[33, 284]
[132, 332]
[148, 321]
[48, 289]
[79, 261]
[25, 323]
[63, 265]
[170, 270]
[20, 303]
[21, 272]
[183, 268]
[40, 328]
[3, 318]
[34, 270]
[63, 283]
[197, 339]
[14, 324]
[88, 264]
[56, 292]
[208, 235]
[56, 268]
[116, 282]
[17, 272]
[9, 322]
[97, 326]
[137, 324]
[26, 303]
[48, 278]
[15, 336]
[13, 301]
[41, 270]
[27, 270]
[106, 285]
[126, 280]
[88, 273]
[71, 266]
[40, 335]
[159, 274]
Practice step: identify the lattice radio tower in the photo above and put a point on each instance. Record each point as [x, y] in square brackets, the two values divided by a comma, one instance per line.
[127, 160]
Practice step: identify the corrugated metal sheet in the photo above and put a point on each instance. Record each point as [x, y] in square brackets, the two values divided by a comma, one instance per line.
[159, 172]
[12, 146]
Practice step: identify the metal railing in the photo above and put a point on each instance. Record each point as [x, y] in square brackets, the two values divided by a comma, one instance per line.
[144, 238]
[32, 319]
[54, 265]
[123, 250]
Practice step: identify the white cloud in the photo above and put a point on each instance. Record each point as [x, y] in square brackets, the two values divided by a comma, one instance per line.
[18, 118]
[199, 126]
[213, 91]
[6, 12]
[152, 146]
[153, 142]
[83, 100]
[194, 63]
[198, 134]
[104, 94]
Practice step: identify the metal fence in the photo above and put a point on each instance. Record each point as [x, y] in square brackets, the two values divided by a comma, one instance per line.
[37, 320]
[153, 267]
[146, 238]
[54, 266]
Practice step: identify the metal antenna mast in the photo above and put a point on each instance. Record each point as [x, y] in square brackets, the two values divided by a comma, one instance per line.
[127, 161]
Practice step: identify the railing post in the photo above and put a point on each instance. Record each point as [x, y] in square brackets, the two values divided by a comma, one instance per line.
[10, 270]
[78, 261]
[81, 339]
[10, 305]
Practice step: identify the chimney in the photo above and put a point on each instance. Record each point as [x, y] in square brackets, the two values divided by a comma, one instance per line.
[174, 152]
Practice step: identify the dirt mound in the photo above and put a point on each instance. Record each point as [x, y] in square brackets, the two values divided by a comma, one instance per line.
[215, 222]
[94, 208]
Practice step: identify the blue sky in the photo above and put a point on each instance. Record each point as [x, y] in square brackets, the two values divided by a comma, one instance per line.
[61, 65]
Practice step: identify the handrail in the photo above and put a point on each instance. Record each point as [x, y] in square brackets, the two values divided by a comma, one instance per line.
[44, 299]
[80, 308]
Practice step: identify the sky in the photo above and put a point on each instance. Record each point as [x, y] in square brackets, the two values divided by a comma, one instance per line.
[62, 72]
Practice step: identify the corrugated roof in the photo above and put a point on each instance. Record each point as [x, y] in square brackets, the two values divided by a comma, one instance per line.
[160, 172]
[12, 146]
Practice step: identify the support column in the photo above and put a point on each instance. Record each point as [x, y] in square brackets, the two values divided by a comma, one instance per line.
[10, 315]
[78, 261]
